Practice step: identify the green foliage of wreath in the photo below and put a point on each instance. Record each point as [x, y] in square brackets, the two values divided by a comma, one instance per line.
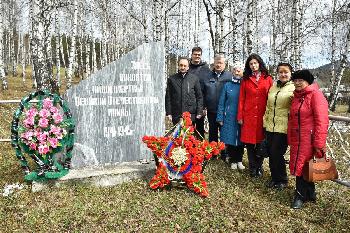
[55, 163]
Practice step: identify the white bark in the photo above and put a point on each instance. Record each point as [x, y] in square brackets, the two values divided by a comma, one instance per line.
[296, 34]
[343, 63]
[250, 26]
[87, 56]
[71, 58]
[58, 46]
[2, 71]
[233, 20]
[23, 56]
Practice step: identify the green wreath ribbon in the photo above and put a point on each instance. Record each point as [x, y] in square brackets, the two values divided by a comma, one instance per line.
[49, 167]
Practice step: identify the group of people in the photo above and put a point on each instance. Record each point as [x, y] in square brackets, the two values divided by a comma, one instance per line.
[245, 107]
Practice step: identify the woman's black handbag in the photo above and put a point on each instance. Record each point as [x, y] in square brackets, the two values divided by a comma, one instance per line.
[262, 149]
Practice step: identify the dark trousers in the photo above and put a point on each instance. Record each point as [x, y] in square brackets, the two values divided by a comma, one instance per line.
[305, 189]
[255, 161]
[235, 153]
[200, 126]
[213, 127]
[277, 147]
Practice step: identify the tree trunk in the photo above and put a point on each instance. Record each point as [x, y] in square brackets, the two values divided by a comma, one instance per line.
[333, 47]
[2, 71]
[233, 19]
[72, 47]
[250, 25]
[211, 30]
[22, 49]
[343, 63]
[58, 48]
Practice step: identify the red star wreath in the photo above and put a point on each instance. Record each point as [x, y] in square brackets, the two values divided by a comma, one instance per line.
[181, 157]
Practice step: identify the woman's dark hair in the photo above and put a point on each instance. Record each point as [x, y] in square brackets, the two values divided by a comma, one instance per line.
[285, 64]
[262, 67]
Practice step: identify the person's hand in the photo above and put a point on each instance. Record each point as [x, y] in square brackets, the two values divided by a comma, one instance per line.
[198, 116]
[220, 123]
[240, 122]
[170, 117]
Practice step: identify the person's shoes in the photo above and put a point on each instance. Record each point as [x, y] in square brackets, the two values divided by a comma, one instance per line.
[280, 185]
[234, 166]
[240, 166]
[253, 173]
[271, 184]
[297, 202]
[312, 198]
[259, 172]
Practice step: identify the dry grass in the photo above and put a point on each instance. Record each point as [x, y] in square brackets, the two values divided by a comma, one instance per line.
[237, 203]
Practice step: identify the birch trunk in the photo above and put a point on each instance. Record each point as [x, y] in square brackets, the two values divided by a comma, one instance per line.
[37, 42]
[221, 7]
[2, 71]
[211, 30]
[250, 25]
[233, 19]
[343, 64]
[274, 35]
[23, 56]
[87, 55]
[71, 58]
[333, 48]
[58, 48]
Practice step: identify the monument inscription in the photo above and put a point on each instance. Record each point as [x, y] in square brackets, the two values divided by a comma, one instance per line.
[117, 105]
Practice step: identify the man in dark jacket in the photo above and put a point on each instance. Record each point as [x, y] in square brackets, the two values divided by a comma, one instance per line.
[212, 87]
[201, 70]
[183, 94]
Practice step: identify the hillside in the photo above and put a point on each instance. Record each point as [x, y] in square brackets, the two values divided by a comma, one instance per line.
[323, 74]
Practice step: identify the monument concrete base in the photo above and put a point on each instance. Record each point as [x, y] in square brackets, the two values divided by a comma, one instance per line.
[102, 176]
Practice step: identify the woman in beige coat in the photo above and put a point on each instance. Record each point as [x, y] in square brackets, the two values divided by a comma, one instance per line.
[276, 123]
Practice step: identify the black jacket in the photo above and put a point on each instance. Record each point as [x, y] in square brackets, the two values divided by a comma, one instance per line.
[212, 88]
[183, 94]
[202, 71]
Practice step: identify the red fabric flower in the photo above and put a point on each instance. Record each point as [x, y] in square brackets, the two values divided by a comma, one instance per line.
[197, 152]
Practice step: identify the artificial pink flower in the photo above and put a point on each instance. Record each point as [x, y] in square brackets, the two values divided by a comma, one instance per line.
[42, 137]
[43, 149]
[28, 135]
[53, 110]
[58, 118]
[44, 113]
[32, 112]
[53, 142]
[28, 122]
[55, 130]
[32, 146]
[47, 103]
[43, 122]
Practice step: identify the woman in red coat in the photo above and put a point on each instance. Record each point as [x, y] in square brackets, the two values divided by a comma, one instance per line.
[307, 132]
[251, 109]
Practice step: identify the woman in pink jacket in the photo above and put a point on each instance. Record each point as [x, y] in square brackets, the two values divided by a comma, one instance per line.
[251, 109]
[307, 132]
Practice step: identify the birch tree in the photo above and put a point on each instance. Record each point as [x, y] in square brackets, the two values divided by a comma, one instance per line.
[2, 72]
[71, 58]
[343, 63]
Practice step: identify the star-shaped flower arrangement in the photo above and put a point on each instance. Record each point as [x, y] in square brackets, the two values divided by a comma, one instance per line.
[181, 156]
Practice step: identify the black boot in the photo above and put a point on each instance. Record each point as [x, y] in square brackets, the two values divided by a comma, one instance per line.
[259, 172]
[253, 173]
[298, 201]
